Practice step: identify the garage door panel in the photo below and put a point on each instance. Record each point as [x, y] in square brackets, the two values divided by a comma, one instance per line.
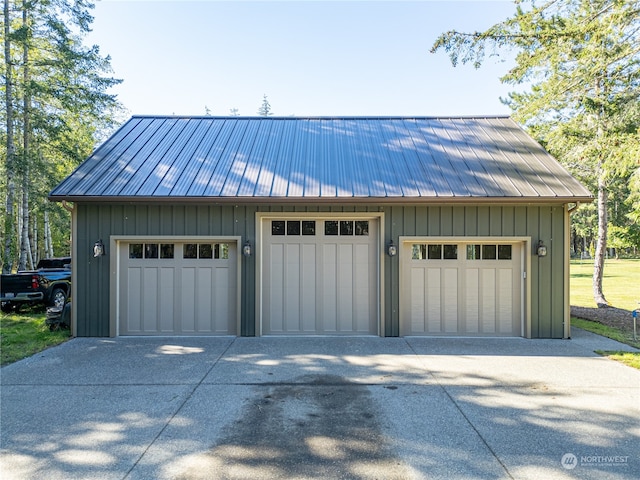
[488, 300]
[472, 300]
[188, 299]
[222, 299]
[166, 300]
[450, 300]
[308, 288]
[417, 300]
[505, 307]
[434, 310]
[275, 295]
[345, 288]
[329, 288]
[204, 308]
[362, 287]
[149, 299]
[134, 294]
[292, 288]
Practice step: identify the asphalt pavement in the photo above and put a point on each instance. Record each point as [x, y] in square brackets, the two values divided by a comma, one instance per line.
[321, 407]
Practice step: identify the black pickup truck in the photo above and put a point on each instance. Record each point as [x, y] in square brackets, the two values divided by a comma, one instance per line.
[50, 285]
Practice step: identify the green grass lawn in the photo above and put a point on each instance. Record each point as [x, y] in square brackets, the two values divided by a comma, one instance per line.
[628, 358]
[621, 283]
[621, 286]
[23, 334]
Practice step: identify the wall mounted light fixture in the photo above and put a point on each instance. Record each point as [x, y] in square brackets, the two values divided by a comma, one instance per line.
[98, 249]
[246, 249]
[542, 249]
[392, 250]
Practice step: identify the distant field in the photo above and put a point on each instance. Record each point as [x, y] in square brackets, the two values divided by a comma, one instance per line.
[621, 283]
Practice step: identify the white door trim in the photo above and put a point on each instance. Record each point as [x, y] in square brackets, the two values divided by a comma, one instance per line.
[525, 262]
[266, 216]
[115, 262]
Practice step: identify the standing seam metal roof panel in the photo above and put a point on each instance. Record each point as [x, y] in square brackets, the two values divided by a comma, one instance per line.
[239, 160]
[419, 158]
[265, 180]
[430, 159]
[525, 153]
[148, 140]
[435, 158]
[225, 160]
[95, 159]
[512, 184]
[468, 168]
[393, 142]
[493, 161]
[137, 184]
[182, 161]
[476, 167]
[210, 161]
[191, 170]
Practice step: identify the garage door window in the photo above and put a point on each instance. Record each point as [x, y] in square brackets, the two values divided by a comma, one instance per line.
[166, 250]
[151, 250]
[346, 227]
[435, 251]
[489, 252]
[206, 251]
[293, 227]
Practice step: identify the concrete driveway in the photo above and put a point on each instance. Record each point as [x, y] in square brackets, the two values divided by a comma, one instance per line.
[310, 408]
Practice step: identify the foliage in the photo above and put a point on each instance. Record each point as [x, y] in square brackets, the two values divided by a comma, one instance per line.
[57, 106]
[580, 63]
[22, 335]
[265, 108]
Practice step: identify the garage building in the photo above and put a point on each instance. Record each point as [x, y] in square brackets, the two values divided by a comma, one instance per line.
[321, 226]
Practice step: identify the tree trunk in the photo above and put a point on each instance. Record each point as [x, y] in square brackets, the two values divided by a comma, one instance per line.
[601, 245]
[9, 219]
[33, 239]
[25, 248]
[48, 244]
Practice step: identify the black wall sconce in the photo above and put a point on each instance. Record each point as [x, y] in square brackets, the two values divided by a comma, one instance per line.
[246, 249]
[392, 250]
[542, 249]
[98, 249]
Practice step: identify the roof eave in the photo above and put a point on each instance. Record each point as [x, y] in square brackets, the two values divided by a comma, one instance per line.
[441, 200]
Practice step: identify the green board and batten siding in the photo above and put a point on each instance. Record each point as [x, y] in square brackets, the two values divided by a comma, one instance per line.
[93, 221]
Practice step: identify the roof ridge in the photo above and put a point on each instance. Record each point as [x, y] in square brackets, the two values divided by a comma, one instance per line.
[323, 117]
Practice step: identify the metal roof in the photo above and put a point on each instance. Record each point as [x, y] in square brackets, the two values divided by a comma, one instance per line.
[344, 159]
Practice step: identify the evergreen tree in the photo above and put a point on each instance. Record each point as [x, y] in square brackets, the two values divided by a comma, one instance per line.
[265, 108]
[582, 60]
[56, 107]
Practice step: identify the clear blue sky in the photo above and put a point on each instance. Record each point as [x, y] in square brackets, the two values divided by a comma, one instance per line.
[309, 58]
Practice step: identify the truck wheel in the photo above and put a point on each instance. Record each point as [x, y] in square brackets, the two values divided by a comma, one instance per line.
[7, 307]
[58, 297]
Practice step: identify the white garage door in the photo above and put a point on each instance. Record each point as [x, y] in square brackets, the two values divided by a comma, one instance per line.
[177, 288]
[320, 276]
[462, 289]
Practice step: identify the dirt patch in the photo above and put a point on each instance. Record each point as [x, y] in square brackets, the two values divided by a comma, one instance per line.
[610, 316]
